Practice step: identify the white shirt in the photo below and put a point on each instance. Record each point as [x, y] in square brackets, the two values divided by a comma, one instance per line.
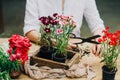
[77, 8]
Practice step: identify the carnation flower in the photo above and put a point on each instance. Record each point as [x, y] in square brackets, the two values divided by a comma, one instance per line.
[57, 27]
[110, 47]
[18, 48]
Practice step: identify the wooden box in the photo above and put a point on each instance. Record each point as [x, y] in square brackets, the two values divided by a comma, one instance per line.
[73, 57]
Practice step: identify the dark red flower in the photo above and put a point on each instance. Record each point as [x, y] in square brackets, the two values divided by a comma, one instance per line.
[44, 20]
[55, 22]
[50, 18]
[55, 14]
[47, 30]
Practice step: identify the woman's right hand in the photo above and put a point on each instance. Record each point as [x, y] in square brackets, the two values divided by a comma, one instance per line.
[34, 36]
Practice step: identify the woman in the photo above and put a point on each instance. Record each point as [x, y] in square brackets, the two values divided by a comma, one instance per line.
[87, 8]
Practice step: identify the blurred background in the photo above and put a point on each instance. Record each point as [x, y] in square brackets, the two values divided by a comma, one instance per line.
[14, 10]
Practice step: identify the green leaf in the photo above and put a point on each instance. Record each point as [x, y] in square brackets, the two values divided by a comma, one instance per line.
[4, 75]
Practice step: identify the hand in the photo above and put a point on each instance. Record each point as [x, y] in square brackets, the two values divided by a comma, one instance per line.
[96, 49]
[71, 46]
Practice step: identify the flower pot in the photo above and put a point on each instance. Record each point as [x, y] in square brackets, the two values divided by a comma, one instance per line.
[108, 74]
[46, 53]
[59, 58]
[15, 74]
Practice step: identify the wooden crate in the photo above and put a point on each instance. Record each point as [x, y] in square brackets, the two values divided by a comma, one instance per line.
[73, 57]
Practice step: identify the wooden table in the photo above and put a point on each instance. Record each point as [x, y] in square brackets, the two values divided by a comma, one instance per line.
[91, 59]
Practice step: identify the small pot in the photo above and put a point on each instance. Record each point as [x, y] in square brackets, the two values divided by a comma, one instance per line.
[15, 74]
[59, 58]
[45, 53]
[108, 74]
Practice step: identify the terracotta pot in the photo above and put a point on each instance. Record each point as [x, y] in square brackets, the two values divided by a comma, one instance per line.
[108, 74]
[15, 74]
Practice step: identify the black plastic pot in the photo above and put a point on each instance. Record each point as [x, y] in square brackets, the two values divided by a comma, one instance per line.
[46, 53]
[59, 58]
[108, 74]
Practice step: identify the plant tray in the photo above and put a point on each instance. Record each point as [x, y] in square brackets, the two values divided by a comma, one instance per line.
[73, 58]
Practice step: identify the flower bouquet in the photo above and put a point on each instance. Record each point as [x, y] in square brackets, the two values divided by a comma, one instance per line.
[110, 52]
[12, 59]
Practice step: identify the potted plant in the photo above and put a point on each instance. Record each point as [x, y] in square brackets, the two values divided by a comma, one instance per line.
[16, 55]
[62, 34]
[46, 30]
[110, 52]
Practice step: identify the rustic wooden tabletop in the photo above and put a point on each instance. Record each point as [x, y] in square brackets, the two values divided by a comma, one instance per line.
[91, 59]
